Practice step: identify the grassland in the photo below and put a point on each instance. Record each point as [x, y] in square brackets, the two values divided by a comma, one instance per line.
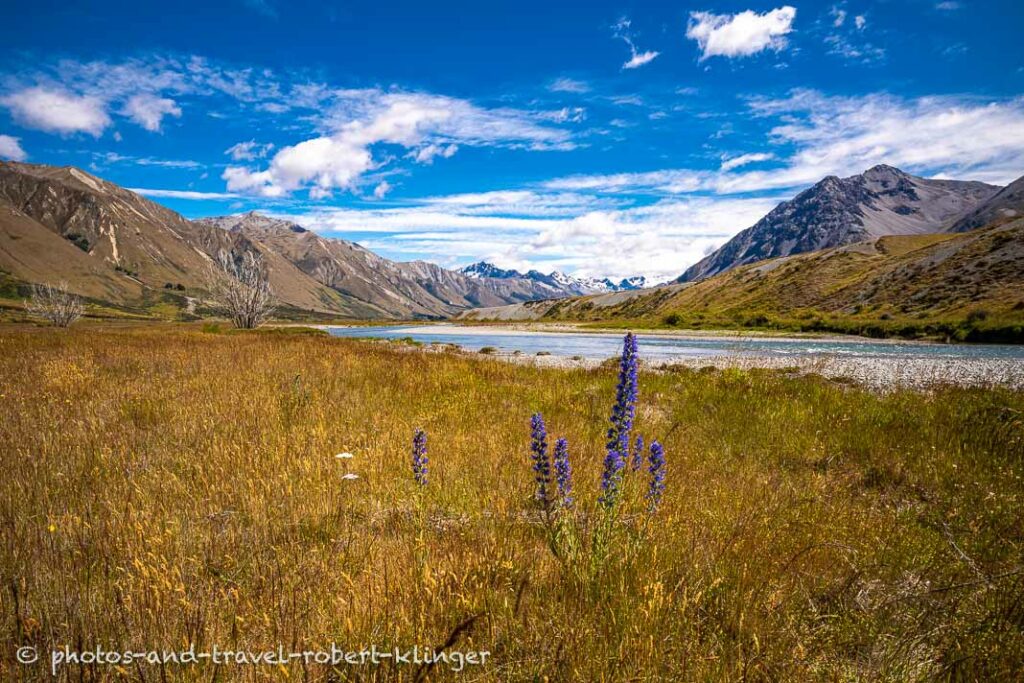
[170, 486]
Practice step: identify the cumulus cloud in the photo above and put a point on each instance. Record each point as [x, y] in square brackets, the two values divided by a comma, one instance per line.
[431, 125]
[148, 110]
[383, 187]
[740, 35]
[10, 148]
[57, 111]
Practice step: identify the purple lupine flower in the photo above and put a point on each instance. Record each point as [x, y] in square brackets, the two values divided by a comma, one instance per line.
[638, 453]
[539, 455]
[657, 472]
[611, 478]
[419, 457]
[563, 473]
[623, 413]
[626, 393]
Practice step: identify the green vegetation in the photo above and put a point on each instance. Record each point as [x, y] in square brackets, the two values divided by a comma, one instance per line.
[168, 486]
[965, 287]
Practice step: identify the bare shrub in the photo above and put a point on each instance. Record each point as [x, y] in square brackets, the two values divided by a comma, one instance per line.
[240, 287]
[55, 304]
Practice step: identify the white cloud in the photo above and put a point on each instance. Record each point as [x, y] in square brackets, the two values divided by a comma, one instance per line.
[10, 148]
[842, 135]
[57, 111]
[426, 154]
[569, 85]
[637, 58]
[740, 35]
[573, 233]
[948, 6]
[640, 58]
[249, 150]
[182, 194]
[149, 110]
[817, 135]
[566, 115]
[860, 22]
[744, 159]
[115, 158]
[431, 125]
[383, 187]
[838, 16]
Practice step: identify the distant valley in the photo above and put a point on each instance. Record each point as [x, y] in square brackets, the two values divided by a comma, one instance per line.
[882, 253]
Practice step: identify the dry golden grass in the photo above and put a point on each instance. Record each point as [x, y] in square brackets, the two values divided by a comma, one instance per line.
[165, 487]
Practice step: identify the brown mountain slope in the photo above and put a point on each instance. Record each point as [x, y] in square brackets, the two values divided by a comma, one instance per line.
[393, 289]
[968, 286]
[113, 245]
[31, 252]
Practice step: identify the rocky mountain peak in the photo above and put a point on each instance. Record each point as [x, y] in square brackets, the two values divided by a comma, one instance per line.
[880, 201]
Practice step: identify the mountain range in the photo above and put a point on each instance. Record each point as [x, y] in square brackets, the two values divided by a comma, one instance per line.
[558, 281]
[119, 248]
[124, 251]
[836, 211]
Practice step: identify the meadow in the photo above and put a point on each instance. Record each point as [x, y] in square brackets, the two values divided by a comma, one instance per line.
[167, 486]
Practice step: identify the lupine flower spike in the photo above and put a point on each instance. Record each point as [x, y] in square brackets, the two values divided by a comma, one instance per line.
[539, 455]
[419, 457]
[623, 413]
[656, 469]
[563, 473]
[638, 453]
[626, 393]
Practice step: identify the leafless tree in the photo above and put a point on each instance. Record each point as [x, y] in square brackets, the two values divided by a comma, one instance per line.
[55, 303]
[241, 288]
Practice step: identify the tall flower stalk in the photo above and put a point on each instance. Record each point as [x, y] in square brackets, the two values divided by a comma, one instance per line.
[623, 413]
[656, 469]
[563, 473]
[626, 392]
[539, 455]
[419, 457]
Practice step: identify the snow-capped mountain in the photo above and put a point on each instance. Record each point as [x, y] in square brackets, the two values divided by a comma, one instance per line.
[560, 283]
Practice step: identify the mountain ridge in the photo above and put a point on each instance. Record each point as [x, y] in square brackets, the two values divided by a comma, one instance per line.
[881, 201]
[556, 279]
[114, 246]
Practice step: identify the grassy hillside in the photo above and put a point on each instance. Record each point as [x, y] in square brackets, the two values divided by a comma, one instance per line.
[167, 487]
[967, 287]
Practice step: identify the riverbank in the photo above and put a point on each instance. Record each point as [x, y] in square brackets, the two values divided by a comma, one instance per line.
[877, 364]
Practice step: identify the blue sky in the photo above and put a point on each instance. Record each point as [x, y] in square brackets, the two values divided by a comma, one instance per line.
[598, 138]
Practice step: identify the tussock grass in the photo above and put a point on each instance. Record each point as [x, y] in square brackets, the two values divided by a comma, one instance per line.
[171, 486]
